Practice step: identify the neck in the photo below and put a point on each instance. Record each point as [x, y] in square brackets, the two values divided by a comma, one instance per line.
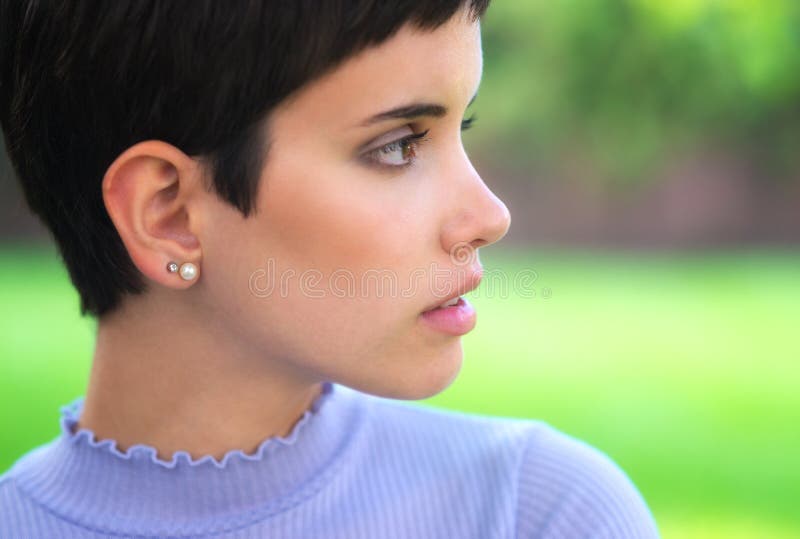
[172, 382]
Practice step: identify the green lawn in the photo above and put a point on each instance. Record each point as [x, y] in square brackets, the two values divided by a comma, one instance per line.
[682, 367]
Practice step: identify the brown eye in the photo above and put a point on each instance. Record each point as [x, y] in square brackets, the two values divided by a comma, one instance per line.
[399, 153]
[409, 149]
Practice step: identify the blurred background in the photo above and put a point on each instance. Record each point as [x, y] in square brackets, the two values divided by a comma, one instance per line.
[647, 151]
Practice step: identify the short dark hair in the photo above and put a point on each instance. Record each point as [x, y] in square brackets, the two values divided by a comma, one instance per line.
[82, 81]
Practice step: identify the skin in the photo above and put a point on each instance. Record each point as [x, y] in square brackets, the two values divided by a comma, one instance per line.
[216, 363]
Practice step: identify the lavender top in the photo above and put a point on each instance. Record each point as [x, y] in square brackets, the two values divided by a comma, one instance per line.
[354, 466]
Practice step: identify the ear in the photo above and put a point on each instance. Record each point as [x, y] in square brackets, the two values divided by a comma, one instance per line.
[147, 192]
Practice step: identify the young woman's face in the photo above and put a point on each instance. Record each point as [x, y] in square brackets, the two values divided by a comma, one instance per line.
[356, 234]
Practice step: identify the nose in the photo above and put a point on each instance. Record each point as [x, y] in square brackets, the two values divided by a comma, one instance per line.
[479, 217]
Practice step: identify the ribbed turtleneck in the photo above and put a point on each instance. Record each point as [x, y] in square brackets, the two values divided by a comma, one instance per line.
[183, 496]
[355, 466]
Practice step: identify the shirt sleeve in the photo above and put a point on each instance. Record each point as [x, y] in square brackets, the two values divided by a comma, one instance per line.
[568, 489]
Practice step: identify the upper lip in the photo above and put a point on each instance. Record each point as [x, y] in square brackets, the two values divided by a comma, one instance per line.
[472, 284]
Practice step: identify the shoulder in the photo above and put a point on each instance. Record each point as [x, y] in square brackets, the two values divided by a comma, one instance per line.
[6, 487]
[553, 484]
[568, 488]
[453, 434]
[14, 507]
[9, 495]
[427, 461]
[20, 516]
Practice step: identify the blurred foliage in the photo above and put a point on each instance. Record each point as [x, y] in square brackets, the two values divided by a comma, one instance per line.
[622, 85]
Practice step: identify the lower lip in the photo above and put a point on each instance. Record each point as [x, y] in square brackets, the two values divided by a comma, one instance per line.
[457, 319]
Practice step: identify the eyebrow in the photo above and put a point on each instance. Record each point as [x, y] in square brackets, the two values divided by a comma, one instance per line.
[410, 112]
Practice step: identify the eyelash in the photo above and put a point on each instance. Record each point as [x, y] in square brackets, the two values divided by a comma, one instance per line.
[413, 142]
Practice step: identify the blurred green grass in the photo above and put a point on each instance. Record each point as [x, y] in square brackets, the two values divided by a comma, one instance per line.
[681, 367]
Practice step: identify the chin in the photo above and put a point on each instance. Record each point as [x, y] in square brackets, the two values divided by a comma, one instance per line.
[424, 379]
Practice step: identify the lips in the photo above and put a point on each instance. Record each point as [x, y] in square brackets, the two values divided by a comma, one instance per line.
[456, 320]
[449, 303]
[472, 283]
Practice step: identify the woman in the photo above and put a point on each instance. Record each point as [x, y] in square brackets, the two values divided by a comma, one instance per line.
[232, 186]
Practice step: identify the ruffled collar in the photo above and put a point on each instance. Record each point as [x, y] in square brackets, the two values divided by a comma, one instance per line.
[93, 483]
[70, 414]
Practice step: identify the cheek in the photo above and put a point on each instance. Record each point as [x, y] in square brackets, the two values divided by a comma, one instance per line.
[329, 221]
[310, 222]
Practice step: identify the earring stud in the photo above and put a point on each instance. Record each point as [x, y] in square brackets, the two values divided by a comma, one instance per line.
[187, 270]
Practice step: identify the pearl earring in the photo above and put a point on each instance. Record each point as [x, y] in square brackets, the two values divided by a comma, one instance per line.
[187, 270]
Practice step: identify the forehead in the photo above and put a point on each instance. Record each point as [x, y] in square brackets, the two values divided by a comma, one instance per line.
[442, 65]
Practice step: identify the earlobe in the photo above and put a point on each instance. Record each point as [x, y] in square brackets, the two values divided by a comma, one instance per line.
[146, 193]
